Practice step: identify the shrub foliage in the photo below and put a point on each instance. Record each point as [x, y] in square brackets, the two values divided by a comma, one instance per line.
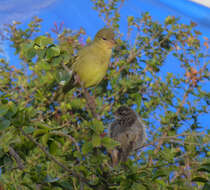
[158, 69]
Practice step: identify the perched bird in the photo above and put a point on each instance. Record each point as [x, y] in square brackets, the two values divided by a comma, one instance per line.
[129, 130]
[92, 61]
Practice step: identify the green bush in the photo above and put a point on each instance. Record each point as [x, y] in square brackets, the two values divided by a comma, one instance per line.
[60, 145]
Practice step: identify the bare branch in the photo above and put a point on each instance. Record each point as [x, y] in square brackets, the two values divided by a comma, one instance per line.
[17, 158]
[68, 136]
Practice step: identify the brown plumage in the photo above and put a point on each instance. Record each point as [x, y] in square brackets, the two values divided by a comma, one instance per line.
[129, 130]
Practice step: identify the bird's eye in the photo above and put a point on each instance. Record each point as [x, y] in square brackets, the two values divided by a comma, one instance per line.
[104, 38]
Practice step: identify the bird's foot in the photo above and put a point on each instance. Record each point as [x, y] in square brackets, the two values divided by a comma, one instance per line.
[91, 103]
[77, 80]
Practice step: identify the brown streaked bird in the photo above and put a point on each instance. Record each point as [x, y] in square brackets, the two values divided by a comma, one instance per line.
[129, 130]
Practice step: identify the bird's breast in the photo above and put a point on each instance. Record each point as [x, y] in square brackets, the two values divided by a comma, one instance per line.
[92, 67]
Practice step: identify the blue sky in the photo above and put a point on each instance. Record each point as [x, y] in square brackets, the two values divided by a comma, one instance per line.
[79, 13]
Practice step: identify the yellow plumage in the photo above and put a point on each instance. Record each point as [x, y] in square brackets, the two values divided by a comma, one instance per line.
[93, 60]
[92, 63]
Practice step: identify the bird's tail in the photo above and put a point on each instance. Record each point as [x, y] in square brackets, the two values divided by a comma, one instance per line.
[124, 154]
[68, 86]
[115, 157]
[60, 93]
[119, 155]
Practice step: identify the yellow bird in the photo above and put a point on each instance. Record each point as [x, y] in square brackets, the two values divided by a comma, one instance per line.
[93, 60]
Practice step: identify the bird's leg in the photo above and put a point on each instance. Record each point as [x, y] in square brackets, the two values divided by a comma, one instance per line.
[77, 80]
[115, 157]
[91, 103]
[90, 100]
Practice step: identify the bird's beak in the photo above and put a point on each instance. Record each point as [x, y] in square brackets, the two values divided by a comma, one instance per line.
[112, 43]
[116, 115]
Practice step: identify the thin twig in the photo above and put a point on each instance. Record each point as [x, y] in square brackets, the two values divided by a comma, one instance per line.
[68, 136]
[69, 71]
[17, 158]
[170, 138]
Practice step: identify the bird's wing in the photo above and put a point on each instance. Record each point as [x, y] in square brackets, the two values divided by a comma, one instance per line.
[119, 153]
[77, 59]
[113, 130]
[123, 136]
[81, 54]
[140, 134]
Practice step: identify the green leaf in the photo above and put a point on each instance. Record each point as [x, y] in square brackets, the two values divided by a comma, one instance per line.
[130, 20]
[97, 126]
[43, 41]
[3, 109]
[109, 143]
[96, 140]
[170, 20]
[206, 186]
[52, 52]
[136, 186]
[27, 50]
[200, 179]
[29, 129]
[158, 174]
[66, 185]
[87, 147]
[54, 148]
[40, 132]
[205, 168]
[77, 103]
[4, 123]
[45, 138]
[77, 155]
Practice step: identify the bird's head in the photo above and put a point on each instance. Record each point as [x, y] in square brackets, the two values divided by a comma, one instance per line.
[106, 36]
[124, 112]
